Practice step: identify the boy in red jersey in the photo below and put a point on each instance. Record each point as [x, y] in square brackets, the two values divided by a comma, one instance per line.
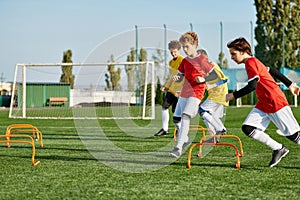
[272, 104]
[194, 69]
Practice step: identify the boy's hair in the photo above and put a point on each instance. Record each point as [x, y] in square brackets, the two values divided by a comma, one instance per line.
[190, 37]
[240, 44]
[202, 52]
[174, 44]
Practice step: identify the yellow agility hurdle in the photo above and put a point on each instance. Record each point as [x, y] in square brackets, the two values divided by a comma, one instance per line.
[31, 142]
[238, 151]
[24, 128]
[23, 138]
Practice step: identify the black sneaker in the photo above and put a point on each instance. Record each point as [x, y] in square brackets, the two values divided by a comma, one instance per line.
[278, 155]
[161, 132]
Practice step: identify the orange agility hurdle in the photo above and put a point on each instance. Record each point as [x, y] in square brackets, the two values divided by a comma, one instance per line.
[23, 138]
[31, 142]
[238, 152]
[24, 128]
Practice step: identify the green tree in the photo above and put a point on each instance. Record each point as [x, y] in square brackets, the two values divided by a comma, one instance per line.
[130, 70]
[222, 61]
[142, 70]
[67, 76]
[278, 32]
[115, 75]
[158, 59]
[158, 93]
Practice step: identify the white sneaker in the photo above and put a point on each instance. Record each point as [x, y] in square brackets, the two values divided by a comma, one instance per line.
[176, 152]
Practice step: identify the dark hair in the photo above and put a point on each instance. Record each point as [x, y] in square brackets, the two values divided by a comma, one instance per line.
[190, 37]
[202, 52]
[174, 44]
[240, 44]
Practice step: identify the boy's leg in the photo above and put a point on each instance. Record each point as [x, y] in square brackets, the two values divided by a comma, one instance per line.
[287, 124]
[254, 126]
[190, 110]
[211, 113]
[168, 100]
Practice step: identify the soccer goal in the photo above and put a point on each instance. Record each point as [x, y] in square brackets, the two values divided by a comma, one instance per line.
[120, 90]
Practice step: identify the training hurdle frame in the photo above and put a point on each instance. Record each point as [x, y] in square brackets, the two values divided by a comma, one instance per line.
[23, 138]
[238, 151]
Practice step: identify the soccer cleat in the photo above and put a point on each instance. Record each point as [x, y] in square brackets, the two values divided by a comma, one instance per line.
[278, 155]
[161, 132]
[176, 152]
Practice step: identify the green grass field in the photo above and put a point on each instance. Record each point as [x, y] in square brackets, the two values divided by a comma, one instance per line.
[68, 170]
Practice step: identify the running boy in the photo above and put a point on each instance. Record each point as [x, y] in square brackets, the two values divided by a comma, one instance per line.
[194, 69]
[212, 109]
[173, 88]
[272, 104]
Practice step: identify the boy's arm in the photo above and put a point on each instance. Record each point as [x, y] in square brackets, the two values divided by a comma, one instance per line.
[178, 77]
[245, 90]
[274, 72]
[210, 77]
[251, 86]
[287, 82]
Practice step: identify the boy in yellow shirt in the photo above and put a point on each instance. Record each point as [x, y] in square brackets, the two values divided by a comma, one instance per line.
[173, 88]
[212, 109]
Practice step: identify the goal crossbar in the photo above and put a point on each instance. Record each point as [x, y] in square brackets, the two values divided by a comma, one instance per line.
[147, 98]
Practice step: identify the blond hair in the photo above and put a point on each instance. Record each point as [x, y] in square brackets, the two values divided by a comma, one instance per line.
[190, 37]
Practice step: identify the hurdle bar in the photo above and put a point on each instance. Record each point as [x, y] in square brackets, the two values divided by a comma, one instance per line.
[24, 128]
[238, 151]
[31, 142]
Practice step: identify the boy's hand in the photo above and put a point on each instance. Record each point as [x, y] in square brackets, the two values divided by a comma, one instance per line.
[175, 78]
[200, 79]
[294, 89]
[229, 97]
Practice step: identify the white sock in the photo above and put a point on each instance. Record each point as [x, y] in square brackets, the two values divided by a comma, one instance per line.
[183, 131]
[266, 139]
[165, 119]
[178, 126]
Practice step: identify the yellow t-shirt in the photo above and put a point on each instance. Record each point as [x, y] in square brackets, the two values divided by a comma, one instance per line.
[174, 87]
[218, 94]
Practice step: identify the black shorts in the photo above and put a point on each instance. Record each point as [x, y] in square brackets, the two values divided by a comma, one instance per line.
[170, 99]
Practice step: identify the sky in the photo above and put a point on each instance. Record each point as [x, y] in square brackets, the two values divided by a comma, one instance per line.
[39, 31]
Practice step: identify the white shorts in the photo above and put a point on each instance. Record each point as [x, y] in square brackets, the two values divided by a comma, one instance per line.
[188, 106]
[213, 108]
[283, 119]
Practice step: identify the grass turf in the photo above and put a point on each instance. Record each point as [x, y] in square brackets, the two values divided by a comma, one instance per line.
[69, 171]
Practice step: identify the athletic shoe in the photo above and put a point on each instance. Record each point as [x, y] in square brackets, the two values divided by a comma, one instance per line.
[186, 144]
[176, 152]
[278, 155]
[222, 132]
[161, 132]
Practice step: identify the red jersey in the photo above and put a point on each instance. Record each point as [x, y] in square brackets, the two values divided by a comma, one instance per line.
[270, 96]
[191, 68]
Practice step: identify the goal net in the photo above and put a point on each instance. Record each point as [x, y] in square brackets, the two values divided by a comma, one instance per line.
[121, 90]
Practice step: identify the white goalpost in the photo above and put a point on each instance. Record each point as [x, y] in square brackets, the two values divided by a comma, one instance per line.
[119, 90]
